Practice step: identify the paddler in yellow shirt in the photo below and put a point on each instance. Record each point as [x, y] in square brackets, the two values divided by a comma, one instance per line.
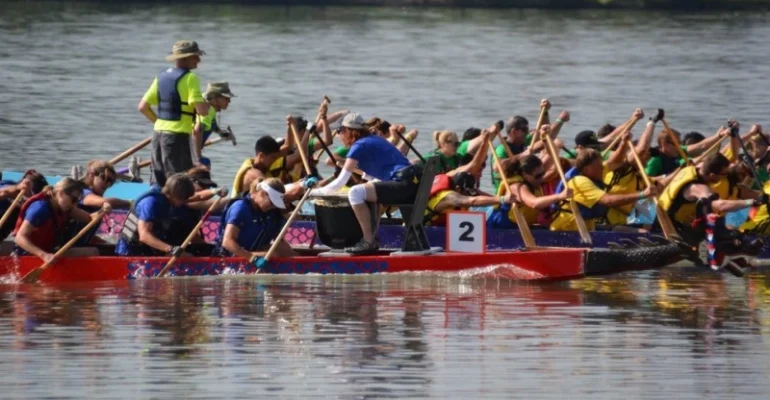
[586, 182]
[177, 94]
[623, 177]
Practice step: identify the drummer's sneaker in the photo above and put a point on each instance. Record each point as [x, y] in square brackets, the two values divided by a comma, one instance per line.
[363, 247]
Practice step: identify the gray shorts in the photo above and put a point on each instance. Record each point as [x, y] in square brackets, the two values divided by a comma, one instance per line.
[171, 153]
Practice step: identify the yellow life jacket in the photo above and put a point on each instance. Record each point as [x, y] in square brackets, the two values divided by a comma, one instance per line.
[433, 217]
[529, 214]
[624, 180]
[671, 200]
[238, 181]
[725, 189]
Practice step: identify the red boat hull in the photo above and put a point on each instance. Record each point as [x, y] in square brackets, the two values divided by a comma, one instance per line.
[539, 264]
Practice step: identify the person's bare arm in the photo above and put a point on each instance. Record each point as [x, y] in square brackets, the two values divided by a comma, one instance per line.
[147, 111]
[92, 200]
[525, 196]
[456, 200]
[616, 200]
[230, 242]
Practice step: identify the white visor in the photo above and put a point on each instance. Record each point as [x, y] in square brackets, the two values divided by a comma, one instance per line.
[276, 197]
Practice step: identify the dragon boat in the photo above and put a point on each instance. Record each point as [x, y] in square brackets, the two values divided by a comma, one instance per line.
[336, 228]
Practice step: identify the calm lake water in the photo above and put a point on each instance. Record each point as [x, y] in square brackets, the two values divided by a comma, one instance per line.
[71, 76]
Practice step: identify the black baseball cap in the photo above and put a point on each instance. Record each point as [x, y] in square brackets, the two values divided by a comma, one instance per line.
[587, 139]
[201, 176]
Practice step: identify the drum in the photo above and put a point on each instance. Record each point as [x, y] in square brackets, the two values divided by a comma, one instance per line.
[336, 224]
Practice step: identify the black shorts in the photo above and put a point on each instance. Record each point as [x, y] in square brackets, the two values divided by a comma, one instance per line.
[395, 192]
[403, 190]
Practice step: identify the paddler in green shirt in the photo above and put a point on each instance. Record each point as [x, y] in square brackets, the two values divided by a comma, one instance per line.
[218, 96]
[665, 159]
[446, 151]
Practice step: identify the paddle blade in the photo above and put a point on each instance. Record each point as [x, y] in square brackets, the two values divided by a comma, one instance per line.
[32, 276]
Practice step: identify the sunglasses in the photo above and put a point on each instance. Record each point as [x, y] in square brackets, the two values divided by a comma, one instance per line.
[109, 180]
[452, 142]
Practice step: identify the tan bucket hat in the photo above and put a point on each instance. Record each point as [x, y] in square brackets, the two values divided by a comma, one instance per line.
[184, 49]
[218, 89]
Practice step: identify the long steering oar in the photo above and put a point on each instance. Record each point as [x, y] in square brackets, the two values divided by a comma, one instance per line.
[585, 236]
[10, 209]
[669, 231]
[33, 275]
[526, 234]
[289, 221]
[189, 239]
[122, 156]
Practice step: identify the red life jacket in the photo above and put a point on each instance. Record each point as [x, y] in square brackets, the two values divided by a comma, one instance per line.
[45, 236]
[441, 182]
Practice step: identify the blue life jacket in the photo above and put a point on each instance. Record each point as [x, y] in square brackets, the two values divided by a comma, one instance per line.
[598, 211]
[499, 218]
[169, 102]
[207, 133]
[262, 228]
[129, 244]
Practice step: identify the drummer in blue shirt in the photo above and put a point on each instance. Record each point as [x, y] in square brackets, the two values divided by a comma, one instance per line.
[395, 180]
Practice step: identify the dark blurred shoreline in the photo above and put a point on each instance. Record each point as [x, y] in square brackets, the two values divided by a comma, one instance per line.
[543, 4]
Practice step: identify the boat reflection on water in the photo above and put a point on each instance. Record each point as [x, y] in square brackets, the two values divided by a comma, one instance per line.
[389, 335]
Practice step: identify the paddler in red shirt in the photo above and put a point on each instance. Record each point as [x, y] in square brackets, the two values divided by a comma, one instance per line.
[43, 218]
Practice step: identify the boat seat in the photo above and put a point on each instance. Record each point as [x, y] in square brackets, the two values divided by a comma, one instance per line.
[415, 239]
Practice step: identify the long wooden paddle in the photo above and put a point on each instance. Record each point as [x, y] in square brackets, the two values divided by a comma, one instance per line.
[585, 236]
[673, 138]
[10, 209]
[325, 102]
[122, 156]
[289, 221]
[300, 149]
[33, 275]
[669, 231]
[540, 121]
[189, 238]
[526, 234]
[708, 151]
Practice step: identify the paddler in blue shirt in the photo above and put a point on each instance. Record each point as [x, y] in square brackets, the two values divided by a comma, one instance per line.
[100, 176]
[156, 217]
[396, 180]
[252, 221]
[32, 183]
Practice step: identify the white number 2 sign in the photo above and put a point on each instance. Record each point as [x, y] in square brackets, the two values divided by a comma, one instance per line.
[466, 232]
